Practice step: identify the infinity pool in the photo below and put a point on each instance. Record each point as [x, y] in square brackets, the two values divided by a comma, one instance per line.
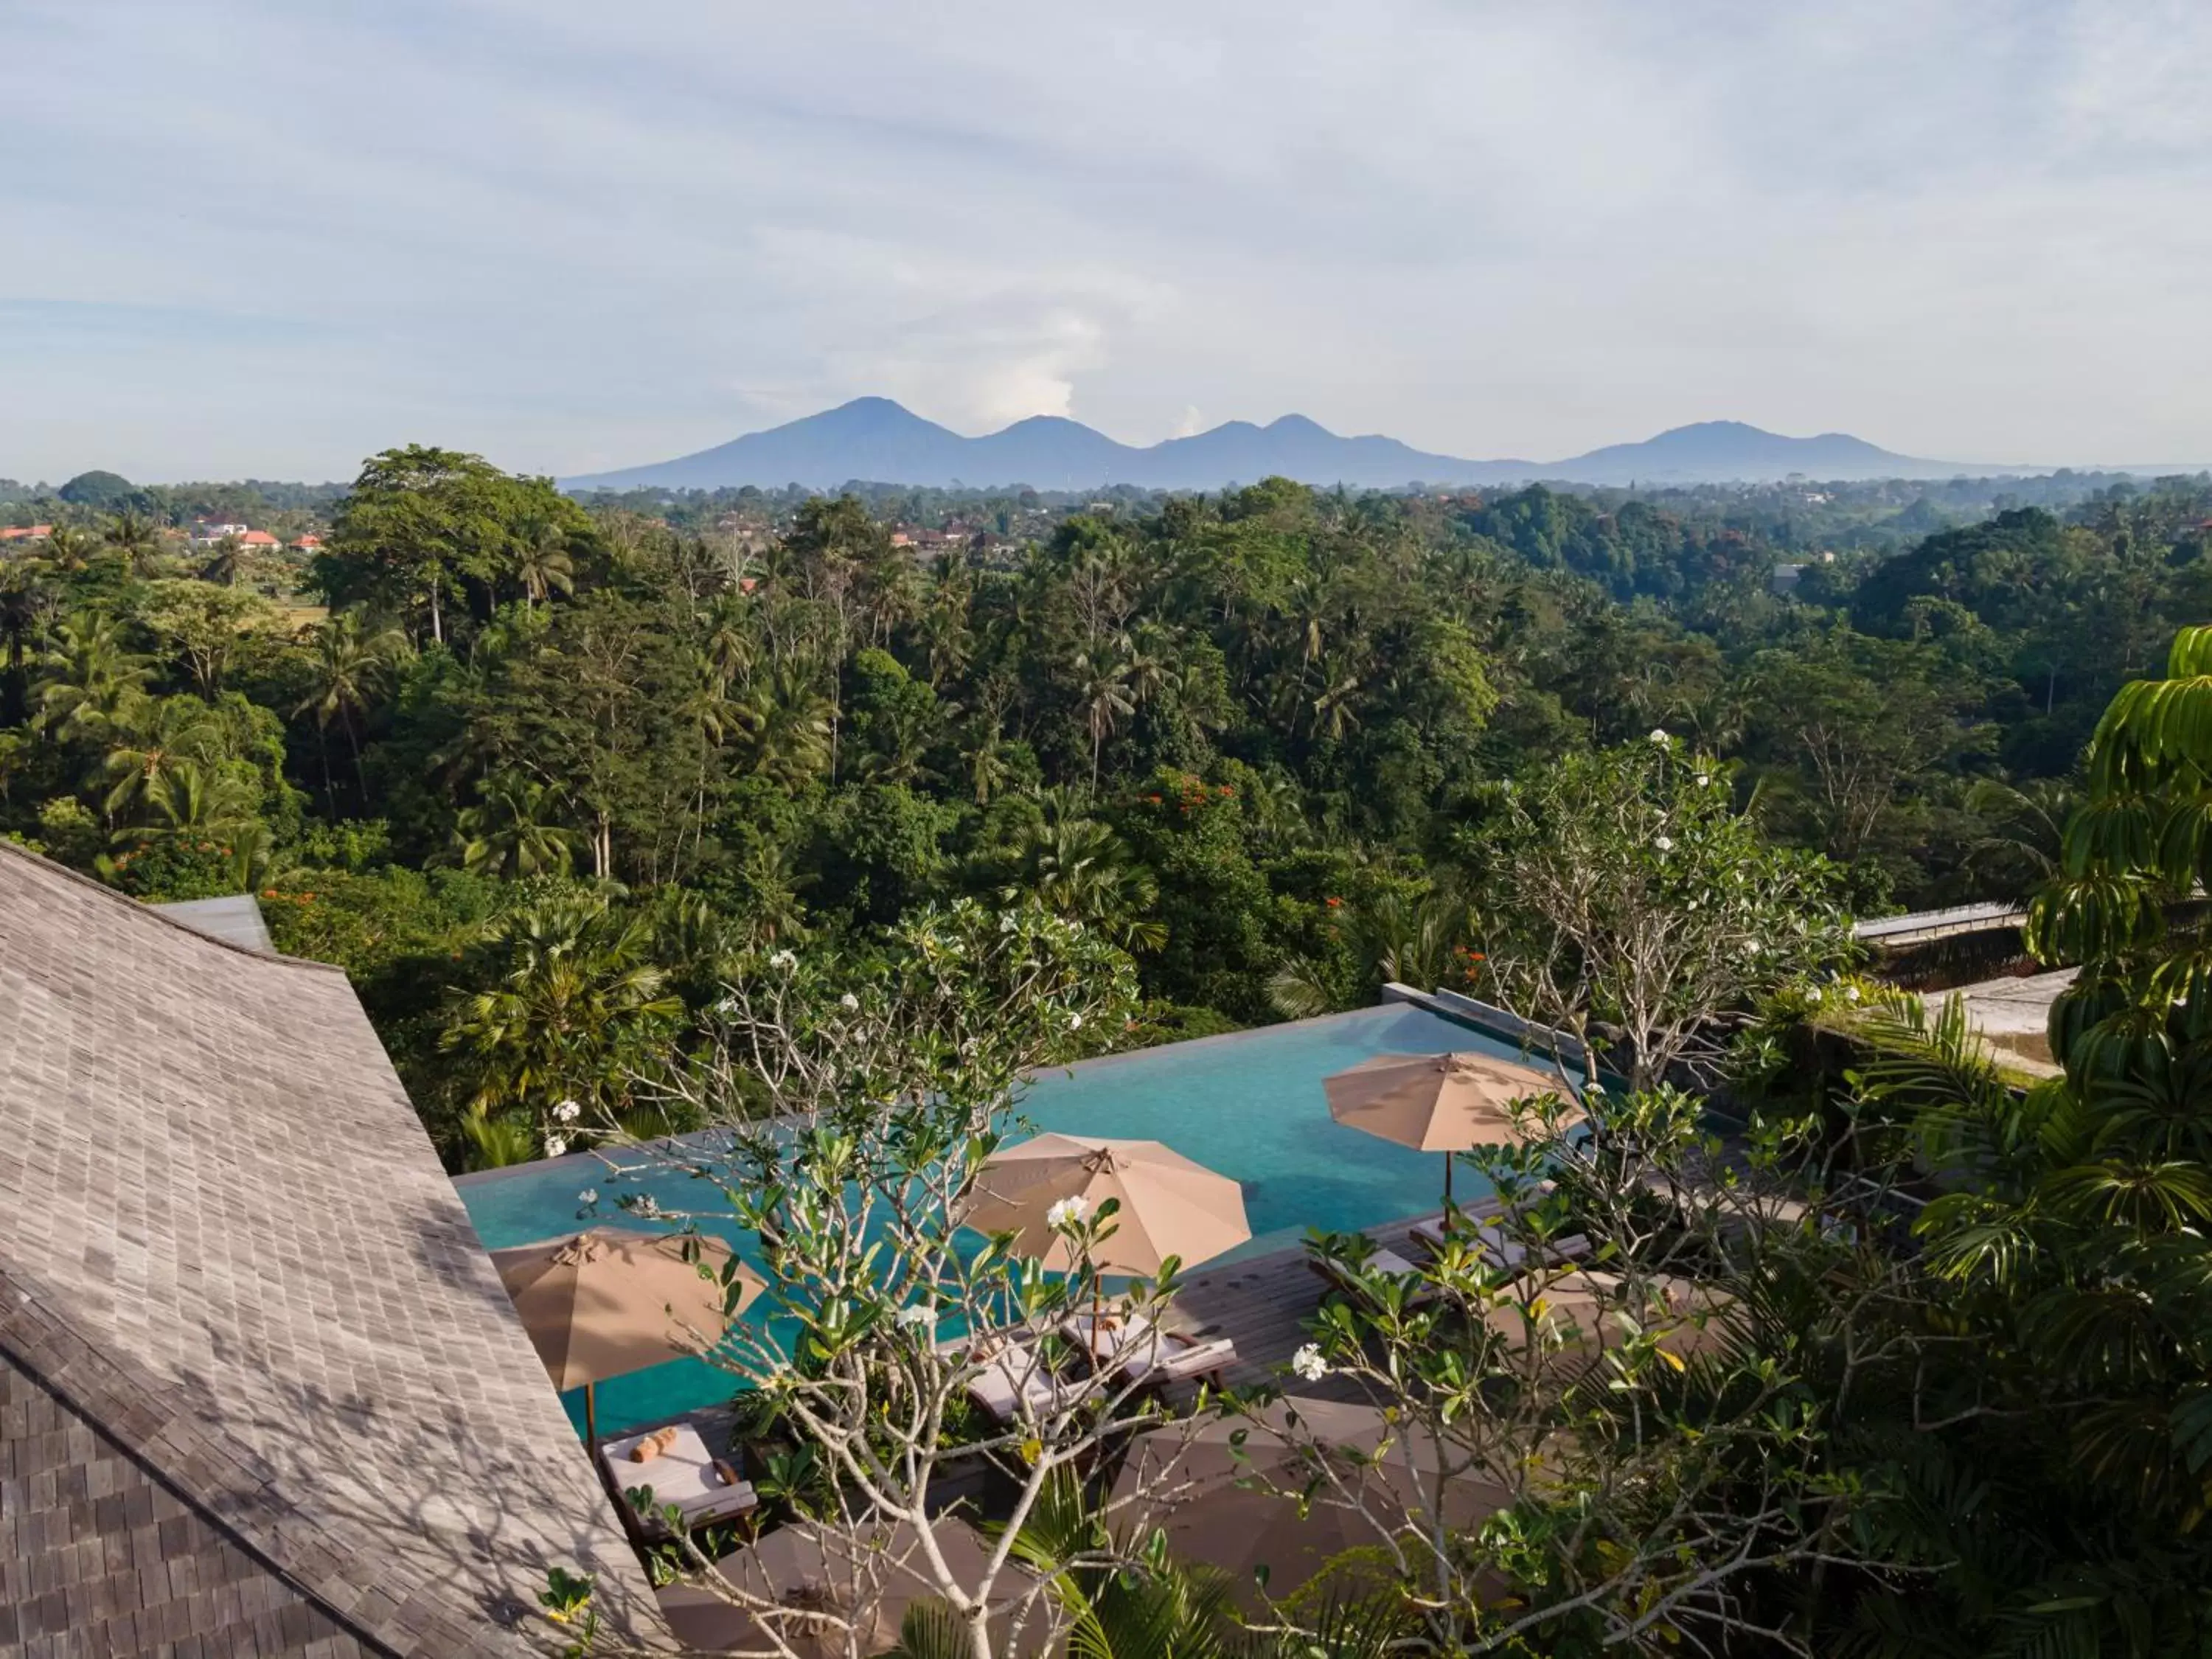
[1249, 1105]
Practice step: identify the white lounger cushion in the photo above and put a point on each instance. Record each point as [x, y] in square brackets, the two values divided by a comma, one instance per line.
[1117, 1335]
[1009, 1381]
[682, 1475]
[1180, 1357]
[1505, 1251]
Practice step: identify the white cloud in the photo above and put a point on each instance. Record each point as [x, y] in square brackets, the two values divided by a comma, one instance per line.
[576, 238]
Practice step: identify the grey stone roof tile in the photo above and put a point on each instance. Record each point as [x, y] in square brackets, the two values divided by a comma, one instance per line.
[260, 1391]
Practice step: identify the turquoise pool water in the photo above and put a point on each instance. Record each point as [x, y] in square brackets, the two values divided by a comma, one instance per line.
[1249, 1105]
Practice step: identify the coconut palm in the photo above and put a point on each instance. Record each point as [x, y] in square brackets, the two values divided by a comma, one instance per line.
[2027, 826]
[134, 536]
[1104, 695]
[226, 562]
[542, 565]
[729, 642]
[160, 740]
[89, 676]
[348, 664]
[70, 549]
[26, 602]
[510, 830]
[788, 725]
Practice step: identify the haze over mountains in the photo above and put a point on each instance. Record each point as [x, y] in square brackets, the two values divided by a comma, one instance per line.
[875, 440]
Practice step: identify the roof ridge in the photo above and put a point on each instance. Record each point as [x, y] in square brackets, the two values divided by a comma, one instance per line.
[139, 907]
[210, 1516]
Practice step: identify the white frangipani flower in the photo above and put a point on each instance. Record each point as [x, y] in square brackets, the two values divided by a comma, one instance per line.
[645, 1204]
[1664, 843]
[1851, 994]
[920, 1317]
[1065, 1212]
[1308, 1362]
[589, 1195]
[1703, 778]
[727, 1007]
[1659, 735]
[555, 1146]
[784, 961]
[568, 1111]
[849, 1002]
[1075, 1022]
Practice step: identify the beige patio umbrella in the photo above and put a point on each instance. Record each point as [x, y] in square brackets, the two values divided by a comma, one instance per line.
[820, 1580]
[1577, 1310]
[611, 1300]
[1239, 1513]
[1440, 1102]
[1169, 1205]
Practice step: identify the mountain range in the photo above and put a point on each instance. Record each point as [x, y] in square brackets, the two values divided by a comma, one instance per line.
[875, 440]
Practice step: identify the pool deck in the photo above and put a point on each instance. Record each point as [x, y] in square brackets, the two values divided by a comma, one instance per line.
[1262, 1302]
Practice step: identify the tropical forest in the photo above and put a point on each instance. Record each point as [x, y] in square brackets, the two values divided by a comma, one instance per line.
[622, 811]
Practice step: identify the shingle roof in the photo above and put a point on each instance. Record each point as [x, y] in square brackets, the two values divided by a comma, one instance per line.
[260, 1391]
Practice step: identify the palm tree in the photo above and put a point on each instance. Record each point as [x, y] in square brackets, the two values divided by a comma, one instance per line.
[161, 738]
[226, 563]
[1104, 695]
[2027, 822]
[349, 666]
[544, 566]
[729, 644]
[577, 1006]
[987, 765]
[770, 879]
[25, 601]
[90, 677]
[134, 536]
[70, 549]
[510, 831]
[1391, 938]
[1079, 867]
[787, 720]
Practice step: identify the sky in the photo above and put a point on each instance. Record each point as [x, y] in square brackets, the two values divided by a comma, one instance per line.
[255, 238]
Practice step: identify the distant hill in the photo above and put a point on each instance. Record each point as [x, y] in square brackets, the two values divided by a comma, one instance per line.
[879, 441]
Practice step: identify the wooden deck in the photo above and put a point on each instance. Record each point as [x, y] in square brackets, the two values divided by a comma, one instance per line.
[1263, 1303]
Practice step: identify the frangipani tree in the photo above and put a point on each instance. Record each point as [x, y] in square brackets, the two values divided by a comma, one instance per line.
[854, 1101]
[1622, 888]
[1609, 1412]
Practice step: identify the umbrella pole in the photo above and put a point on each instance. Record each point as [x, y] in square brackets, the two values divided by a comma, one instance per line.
[1448, 1172]
[591, 1418]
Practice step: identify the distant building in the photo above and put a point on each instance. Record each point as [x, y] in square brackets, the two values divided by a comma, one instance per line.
[208, 532]
[259, 540]
[308, 544]
[30, 532]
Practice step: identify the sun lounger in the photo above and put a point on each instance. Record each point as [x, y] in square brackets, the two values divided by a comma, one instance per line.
[1179, 1359]
[1132, 1346]
[682, 1475]
[1499, 1247]
[1381, 1260]
[1014, 1382]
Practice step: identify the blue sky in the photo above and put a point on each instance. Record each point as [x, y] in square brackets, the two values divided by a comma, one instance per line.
[255, 237]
